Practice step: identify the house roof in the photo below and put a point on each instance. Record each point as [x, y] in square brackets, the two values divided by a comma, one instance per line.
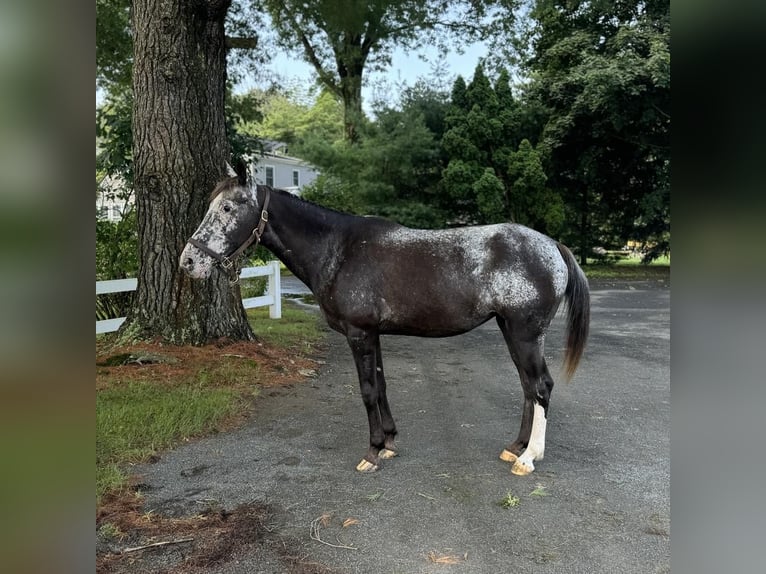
[277, 151]
[273, 146]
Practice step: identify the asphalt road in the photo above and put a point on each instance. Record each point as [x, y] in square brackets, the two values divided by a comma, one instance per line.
[601, 499]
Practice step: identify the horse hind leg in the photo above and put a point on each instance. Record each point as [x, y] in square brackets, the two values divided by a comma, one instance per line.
[514, 450]
[527, 353]
[540, 383]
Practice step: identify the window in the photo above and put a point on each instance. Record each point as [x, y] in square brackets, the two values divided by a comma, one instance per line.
[270, 175]
[296, 178]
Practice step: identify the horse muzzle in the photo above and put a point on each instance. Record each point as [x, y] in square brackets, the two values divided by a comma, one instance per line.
[195, 263]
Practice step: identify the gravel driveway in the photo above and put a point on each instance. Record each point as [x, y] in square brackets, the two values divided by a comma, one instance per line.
[598, 502]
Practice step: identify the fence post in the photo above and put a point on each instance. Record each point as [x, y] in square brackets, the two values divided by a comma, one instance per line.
[275, 290]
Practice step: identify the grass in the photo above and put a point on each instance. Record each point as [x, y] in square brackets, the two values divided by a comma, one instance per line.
[375, 496]
[297, 327]
[142, 410]
[629, 269]
[510, 500]
[539, 491]
[627, 272]
[139, 419]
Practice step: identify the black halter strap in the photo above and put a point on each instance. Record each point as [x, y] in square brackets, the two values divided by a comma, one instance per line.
[230, 263]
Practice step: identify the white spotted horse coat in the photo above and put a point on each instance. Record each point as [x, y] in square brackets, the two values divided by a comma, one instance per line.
[373, 277]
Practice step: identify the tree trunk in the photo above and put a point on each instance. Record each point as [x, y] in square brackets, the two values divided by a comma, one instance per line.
[351, 87]
[180, 152]
[350, 58]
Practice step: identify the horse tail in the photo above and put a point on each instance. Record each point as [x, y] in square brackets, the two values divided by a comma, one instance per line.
[577, 297]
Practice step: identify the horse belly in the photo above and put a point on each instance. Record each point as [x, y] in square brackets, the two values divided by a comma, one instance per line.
[425, 313]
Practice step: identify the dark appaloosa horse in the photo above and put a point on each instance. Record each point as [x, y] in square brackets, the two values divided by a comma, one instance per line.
[372, 277]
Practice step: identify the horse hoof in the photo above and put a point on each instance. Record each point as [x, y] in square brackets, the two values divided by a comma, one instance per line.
[508, 456]
[386, 453]
[366, 466]
[521, 468]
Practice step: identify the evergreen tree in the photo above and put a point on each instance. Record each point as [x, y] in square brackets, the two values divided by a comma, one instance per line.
[478, 142]
[601, 70]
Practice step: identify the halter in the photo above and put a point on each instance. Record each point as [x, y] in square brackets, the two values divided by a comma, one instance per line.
[230, 263]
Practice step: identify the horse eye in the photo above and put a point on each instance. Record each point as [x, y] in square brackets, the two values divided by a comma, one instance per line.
[227, 208]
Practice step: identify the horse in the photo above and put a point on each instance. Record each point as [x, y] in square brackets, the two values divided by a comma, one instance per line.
[374, 277]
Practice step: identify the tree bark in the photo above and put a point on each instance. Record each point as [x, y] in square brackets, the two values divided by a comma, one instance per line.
[351, 88]
[351, 52]
[350, 71]
[180, 152]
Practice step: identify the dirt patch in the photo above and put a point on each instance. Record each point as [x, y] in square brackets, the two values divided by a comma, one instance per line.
[132, 541]
[168, 364]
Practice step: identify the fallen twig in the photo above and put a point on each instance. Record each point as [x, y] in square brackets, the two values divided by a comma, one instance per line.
[155, 544]
[446, 558]
[314, 533]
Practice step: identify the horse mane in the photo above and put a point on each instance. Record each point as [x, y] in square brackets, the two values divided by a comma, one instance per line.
[306, 202]
[223, 185]
[232, 182]
[299, 202]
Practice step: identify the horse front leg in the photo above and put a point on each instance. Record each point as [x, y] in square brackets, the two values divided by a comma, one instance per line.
[386, 419]
[364, 347]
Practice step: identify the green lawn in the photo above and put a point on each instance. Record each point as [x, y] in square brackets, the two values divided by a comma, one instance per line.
[297, 327]
[629, 269]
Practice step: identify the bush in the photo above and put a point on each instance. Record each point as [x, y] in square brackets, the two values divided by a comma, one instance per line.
[116, 258]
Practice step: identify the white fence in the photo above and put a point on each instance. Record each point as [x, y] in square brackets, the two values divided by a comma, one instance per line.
[272, 298]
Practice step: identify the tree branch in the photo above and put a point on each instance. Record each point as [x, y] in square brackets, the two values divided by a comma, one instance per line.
[156, 544]
[240, 43]
[667, 115]
[326, 77]
[448, 24]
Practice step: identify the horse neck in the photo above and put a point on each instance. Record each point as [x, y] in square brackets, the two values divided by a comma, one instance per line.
[304, 236]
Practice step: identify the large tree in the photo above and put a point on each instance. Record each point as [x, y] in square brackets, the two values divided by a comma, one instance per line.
[180, 151]
[494, 172]
[343, 39]
[602, 72]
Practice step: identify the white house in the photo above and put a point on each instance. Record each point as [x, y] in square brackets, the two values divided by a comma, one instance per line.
[274, 167]
[277, 169]
[112, 200]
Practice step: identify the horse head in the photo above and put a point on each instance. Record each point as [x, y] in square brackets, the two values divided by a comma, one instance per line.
[231, 224]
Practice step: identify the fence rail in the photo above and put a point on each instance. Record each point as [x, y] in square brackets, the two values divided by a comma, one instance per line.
[271, 299]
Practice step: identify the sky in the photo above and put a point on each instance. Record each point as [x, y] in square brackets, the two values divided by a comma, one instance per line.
[406, 67]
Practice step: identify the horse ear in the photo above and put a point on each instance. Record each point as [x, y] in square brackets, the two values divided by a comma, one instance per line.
[240, 167]
[230, 170]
